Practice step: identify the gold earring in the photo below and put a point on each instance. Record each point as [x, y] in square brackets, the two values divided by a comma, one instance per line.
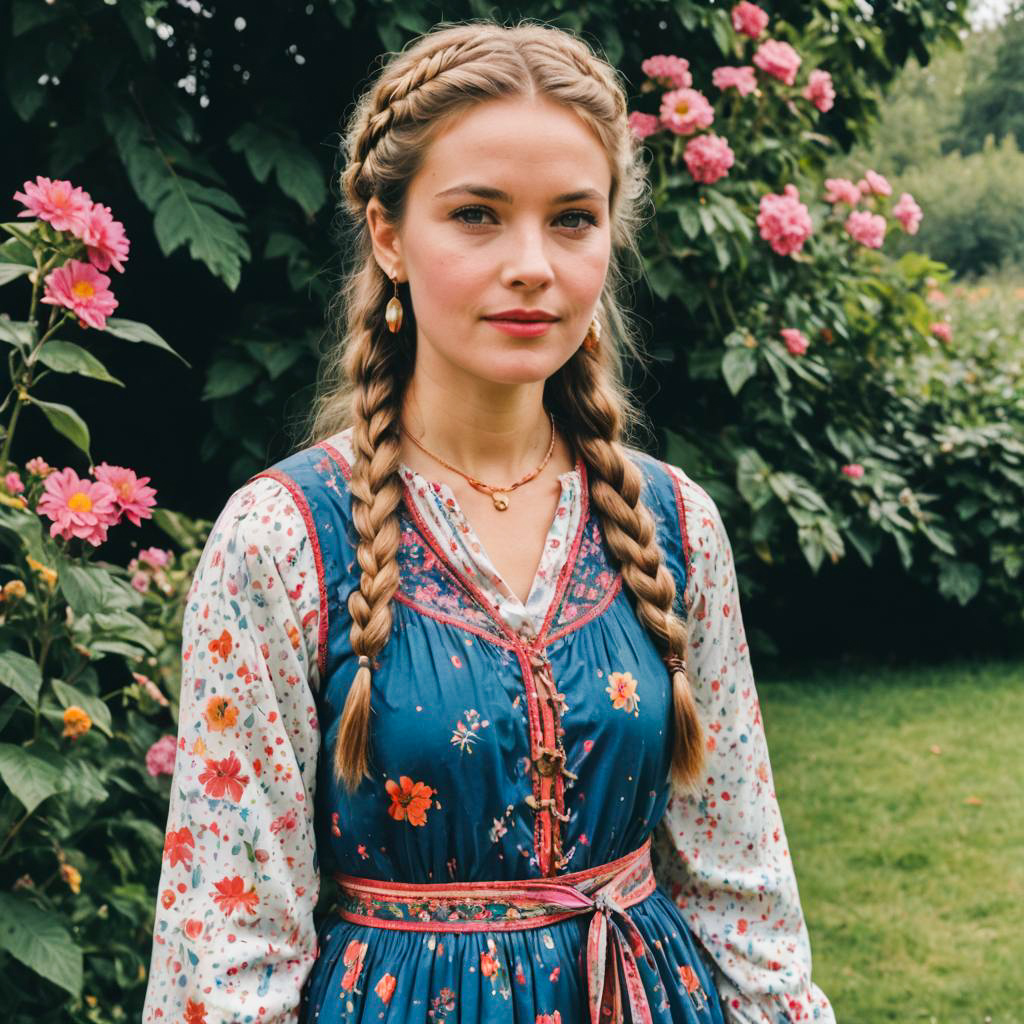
[393, 311]
[592, 340]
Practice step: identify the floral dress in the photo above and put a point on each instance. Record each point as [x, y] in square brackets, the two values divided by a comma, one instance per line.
[470, 680]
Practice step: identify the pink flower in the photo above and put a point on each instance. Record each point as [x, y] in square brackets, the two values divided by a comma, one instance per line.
[151, 688]
[779, 60]
[13, 483]
[134, 499]
[60, 203]
[784, 222]
[796, 341]
[819, 90]
[854, 470]
[749, 19]
[160, 756]
[104, 239]
[708, 158]
[740, 78]
[668, 72]
[908, 213]
[140, 581]
[841, 190]
[943, 330]
[82, 288]
[39, 466]
[78, 508]
[642, 125]
[685, 111]
[867, 228]
[875, 183]
[156, 557]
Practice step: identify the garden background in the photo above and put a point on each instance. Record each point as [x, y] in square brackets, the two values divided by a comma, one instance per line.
[842, 368]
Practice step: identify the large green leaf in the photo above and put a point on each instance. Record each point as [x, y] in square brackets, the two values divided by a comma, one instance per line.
[29, 778]
[15, 332]
[22, 675]
[40, 941]
[738, 366]
[132, 330]
[27, 526]
[66, 357]
[66, 421]
[95, 708]
[272, 148]
[90, 589]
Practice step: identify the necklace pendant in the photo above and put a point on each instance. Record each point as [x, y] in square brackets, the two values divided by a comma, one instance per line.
[500, 500]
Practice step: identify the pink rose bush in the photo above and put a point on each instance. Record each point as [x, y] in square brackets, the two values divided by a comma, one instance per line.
[643, 125]
[779, 60]
[668, 72]
[742, 79]
[820, 91]
[841, 190]
[685, 111]
[161, 756]
[749, 19]
[908, 213]
[943, 330]
[708, 158]
[796, 341]
[867, 228]
[854, 470]
[784, 221]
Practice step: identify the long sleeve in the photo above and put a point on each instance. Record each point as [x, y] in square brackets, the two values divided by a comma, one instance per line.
[723, 856]
[234, 938]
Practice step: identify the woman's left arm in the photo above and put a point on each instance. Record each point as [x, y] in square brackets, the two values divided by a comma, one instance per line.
[723, 856]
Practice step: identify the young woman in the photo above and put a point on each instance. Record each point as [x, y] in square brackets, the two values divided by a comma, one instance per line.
[468, 655]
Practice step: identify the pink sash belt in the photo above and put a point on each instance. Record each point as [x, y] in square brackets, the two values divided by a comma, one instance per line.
[607, 891]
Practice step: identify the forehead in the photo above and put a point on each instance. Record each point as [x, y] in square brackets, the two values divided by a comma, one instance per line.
[525, 146]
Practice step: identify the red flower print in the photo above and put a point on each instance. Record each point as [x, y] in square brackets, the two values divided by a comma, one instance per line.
[223, 777]
[193, 928]
[353, 959]
[167, 898]
[286, 822]
[549, 1018]
[231, 894]
[222, 645]
[622, 690]
[195, 1013]
[689, 978]
[488, 965]
[410, 800]
[178, 846]
[385, 988]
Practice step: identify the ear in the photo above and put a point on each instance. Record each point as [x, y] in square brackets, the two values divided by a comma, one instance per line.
[387, 246]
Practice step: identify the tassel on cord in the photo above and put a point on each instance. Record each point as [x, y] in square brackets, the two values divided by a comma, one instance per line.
[688, 753]
[354, 731]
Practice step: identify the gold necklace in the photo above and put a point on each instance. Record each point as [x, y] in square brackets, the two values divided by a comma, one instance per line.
[499, 495]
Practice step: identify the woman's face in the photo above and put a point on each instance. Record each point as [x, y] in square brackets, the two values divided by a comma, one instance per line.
[509, 211]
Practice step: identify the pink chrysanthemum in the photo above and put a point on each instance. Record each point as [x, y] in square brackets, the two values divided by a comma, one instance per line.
[854, 470]
[669, 72]
[867, 228]
[60, 203]
[708, 158]
[749, 19]
[841, 190]
[78, 508]
[779, 60]
[875, 183]
[12, 481]
[82, 288]
[643, 125]
[796, 341]
[943, 330]
[820, 91]
[685, 111]
[105, 240]
[908, 213]
[742, 79]
[39, 466]
[155, 557]
[134, 498]
[160, 756]
[784, 222]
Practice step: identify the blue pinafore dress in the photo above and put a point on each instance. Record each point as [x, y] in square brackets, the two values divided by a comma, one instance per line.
[460, 703]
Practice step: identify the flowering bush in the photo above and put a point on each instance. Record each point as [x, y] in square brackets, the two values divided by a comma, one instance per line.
[89, 650]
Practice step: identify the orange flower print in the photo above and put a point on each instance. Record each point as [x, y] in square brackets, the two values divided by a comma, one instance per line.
[549, 1018]
[385, 988]
[488, 965]
[222, 645]
[220, 714]
[622, 690]
[409, 800]
[353, 958]
[689, 978]
[178, 847]
[232, 894]
[222, 777]
[195, 1013]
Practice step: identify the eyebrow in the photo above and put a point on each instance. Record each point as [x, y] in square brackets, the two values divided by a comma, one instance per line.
[487, 192]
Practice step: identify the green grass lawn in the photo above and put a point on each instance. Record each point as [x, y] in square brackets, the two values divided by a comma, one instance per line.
[910, 862]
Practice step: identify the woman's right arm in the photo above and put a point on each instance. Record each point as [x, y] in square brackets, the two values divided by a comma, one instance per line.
[234, 937]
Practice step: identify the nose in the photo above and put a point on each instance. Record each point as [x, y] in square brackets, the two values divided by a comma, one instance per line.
[527, 263]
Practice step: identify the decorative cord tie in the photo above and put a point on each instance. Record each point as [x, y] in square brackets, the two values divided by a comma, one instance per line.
[546, 803]
[675, 663]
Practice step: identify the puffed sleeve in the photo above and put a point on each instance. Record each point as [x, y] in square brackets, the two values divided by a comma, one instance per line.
[723, 857]
[234, 938]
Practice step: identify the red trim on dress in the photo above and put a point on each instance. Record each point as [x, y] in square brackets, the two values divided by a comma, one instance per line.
[677, 486]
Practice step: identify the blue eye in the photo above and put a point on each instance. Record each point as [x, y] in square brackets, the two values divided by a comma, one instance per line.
[589, 218]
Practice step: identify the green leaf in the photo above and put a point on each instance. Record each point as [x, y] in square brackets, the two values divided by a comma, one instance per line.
[66, 357]
[738, 366]
[273, 148]
[721, 30]
[22, 675]
[27, 527]
[707, 221]
[132, 330]
[12, 271]
[228, 377]
[14, 332]
[29, 778]
[40, 941]
[960, 580]
[66, 421]
[688, 220]
[91, 589]
[752, 474]
[95, 708]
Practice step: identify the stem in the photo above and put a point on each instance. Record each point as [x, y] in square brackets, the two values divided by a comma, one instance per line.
[14, 831]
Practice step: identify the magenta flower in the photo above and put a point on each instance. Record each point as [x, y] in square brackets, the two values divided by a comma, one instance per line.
[784, 222]
[668, 72]
[749, 19]
[875, 183]
[13, 483]
[819, 90]
[39, 466]
[642, 125]
[685, 111]
[908, 213]
[104, 239]
[82, 288]
[742, 78]
[60, 203]
[160, 756]
[779, 60]
[134, 498]
[155, 557]
[841, 190]
[78, 508]
[708, 158]
[867, 228]
[796, 341]
[854, 470]
[943, 330]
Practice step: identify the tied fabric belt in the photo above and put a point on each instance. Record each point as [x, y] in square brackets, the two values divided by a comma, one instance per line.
[606, 891]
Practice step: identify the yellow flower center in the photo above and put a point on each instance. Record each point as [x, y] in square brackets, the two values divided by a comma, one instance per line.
[80, 502]
[83, 289]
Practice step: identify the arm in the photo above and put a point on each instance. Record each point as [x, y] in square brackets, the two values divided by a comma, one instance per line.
[234, 937]
[724, 858]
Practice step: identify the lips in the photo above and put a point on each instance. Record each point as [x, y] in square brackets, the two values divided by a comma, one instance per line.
[524, 316]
